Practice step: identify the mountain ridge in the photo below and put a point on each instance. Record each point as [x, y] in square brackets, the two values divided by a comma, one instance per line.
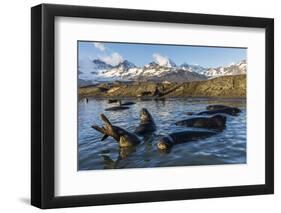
[99, 71]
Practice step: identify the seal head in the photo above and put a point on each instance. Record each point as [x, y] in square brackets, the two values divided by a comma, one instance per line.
[147, 124]
[165, 143]
[145, 116]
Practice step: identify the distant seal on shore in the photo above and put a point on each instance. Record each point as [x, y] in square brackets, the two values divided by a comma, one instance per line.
[229, 110]
[117, 108]
[110, 101]
[215, 122]
[147, 124]
[167, 142]
[123, 137]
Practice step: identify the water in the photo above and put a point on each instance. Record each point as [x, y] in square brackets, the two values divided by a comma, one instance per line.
[227, 147]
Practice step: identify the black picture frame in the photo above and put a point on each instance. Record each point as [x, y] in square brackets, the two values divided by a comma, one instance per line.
[43, 102]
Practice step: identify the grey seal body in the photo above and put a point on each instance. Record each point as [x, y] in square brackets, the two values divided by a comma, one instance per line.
[217, 106]
[215, 122]
[147, 124]
[229, 111]
[123, 137]
[167, 142]
[116, 108]
[126, 103]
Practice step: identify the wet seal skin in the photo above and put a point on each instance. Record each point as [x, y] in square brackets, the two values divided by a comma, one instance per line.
[117, 108]
[123, 137]
[229, 111]
[147, 124]
[215, 122]
[126, 103]
[167, 142]
[217, 107]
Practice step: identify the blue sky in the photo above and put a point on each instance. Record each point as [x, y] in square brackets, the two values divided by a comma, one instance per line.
[141, 54]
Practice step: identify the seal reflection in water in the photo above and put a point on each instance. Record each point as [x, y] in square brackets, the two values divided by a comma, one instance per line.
[123, 137]
[167, 142]
[215, 122]
[147, 124]
[123, 154]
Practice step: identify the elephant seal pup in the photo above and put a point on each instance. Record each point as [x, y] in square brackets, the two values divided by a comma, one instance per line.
[116, 108]
[167, 142]
[215, 122]
[123, 137]
[147, 124]
[229, 111]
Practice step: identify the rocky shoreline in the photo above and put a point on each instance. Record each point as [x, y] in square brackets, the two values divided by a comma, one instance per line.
[226, 86]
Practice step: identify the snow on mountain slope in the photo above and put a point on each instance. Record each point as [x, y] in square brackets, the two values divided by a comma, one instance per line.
[162, 69]
[193, 68]
[233, 69]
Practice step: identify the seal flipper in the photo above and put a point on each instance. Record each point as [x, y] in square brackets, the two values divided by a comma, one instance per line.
[101, 130]
[104, 137]
[106, 121]
[128, 139]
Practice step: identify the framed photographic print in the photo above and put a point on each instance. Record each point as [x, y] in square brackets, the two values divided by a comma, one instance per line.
[140, 106]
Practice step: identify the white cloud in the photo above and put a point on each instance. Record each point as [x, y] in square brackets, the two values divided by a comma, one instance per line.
[160, 59]
[99, 46]
[113, 59]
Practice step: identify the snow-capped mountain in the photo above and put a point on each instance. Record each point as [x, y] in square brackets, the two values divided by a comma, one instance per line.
[118, 72]
[170, 72]
[98, 71]
[233, 69]
[153, 71]
[167, 62]
[193, 68]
